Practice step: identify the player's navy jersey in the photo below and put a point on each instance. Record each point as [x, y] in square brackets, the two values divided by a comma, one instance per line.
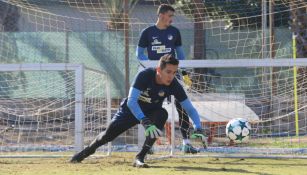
[153, 94]
[160, 42]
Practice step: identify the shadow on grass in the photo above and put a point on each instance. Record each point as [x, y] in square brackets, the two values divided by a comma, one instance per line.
[186, 168]
[241, 162]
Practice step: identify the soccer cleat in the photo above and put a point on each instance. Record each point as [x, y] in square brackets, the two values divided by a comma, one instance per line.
[139, 163]
[188, 148]
[78, 157]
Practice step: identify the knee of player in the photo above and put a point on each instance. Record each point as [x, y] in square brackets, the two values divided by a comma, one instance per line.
[103, 138]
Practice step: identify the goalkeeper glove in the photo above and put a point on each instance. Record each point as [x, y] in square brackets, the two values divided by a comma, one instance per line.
[199, 134]
[150, 129]
[186, 79]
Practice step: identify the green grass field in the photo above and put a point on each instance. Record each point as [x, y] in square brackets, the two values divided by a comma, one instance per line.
[121, 164]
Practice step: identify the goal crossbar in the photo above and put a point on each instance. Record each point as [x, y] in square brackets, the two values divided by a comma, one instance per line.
[40, 66]
[231, 63]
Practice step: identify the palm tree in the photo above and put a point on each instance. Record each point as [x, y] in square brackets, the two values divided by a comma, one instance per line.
[116, 10]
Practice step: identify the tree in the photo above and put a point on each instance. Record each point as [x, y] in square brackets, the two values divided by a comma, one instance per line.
[298, 23]
[235, 13]
[116, 11]
[119, 20]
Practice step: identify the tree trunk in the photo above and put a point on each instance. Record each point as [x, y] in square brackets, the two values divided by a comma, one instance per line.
[199, 43]
[126, 31]
[299, 28]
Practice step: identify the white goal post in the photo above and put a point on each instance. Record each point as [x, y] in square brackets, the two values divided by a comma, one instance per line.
[80, 102]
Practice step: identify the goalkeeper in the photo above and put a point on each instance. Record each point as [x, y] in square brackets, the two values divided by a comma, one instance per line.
[163, 38]
[144, 105]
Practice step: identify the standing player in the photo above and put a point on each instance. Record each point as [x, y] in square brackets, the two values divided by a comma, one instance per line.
[144, 105]
[163, 38]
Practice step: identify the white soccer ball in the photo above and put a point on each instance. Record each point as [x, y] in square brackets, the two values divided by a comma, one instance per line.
[238, 129]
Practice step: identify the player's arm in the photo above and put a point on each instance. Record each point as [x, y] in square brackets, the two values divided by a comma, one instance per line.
[181, 96]
[150, 129]
[178, 47]
[142, 45]
[139, 84]
[133, 104]
[180, 53]
[192, 112]
[140, 53]
[186, 104]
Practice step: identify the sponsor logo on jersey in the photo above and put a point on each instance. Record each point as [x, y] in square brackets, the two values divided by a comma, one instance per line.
[155, 42]
[144, 97]
[170, 37]
[161, 49]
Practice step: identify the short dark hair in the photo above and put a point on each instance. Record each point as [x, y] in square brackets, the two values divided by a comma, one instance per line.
[163, 8]
[168, 59]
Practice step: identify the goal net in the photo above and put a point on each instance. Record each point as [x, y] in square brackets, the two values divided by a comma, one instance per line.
[51, 107]
[270, 94]
[56, 108]
[103, 34]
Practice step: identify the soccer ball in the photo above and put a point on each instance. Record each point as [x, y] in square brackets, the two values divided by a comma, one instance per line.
[238, 129]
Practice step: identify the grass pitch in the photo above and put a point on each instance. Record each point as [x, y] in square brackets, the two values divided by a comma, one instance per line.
[121, 164]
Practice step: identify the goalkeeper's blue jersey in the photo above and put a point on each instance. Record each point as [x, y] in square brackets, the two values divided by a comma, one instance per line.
[153, 94]
[160, 42]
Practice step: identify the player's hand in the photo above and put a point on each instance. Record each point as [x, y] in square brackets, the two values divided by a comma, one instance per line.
[186, 79]
[150, 129]
[199, 134]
